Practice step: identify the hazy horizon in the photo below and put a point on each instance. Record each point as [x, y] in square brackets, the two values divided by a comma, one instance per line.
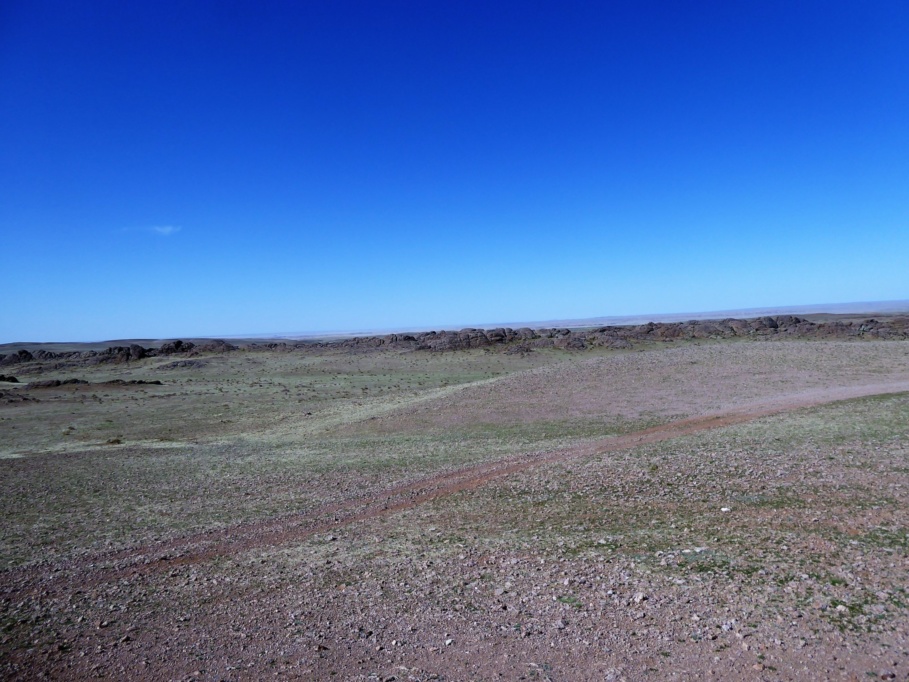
[858, 307]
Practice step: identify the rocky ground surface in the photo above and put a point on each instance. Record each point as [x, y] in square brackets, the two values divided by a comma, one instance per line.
[725, 508]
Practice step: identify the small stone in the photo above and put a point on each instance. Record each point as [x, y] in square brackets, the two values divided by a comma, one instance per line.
[639, 597]
[449, 642]
[725, 509]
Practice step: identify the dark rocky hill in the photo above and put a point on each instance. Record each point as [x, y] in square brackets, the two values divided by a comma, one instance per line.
[510, 340]
[780, 326]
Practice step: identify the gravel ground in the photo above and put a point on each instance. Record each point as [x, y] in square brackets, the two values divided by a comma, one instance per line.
[687, 512]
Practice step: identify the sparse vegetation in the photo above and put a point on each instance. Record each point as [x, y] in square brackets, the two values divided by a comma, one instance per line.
[352, 514]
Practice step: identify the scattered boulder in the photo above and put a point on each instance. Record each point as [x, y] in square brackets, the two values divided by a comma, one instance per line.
[214, 346]
[45, 355]
[177, 346]
[16, 358]
[54, 383]
[44, 383]
[16, 397]
[570, 342]
[9, 379]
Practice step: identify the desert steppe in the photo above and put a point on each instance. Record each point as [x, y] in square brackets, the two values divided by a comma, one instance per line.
[726, 501]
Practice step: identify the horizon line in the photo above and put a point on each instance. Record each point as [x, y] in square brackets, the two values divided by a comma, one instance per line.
[858, 307]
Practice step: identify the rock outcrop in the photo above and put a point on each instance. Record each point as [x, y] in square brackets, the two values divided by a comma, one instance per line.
[55, 383]
[115, 354]
[617, 337]
[782, 326]
[16, 358]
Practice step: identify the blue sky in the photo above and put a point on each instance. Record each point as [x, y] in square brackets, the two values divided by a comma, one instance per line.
[219, 168]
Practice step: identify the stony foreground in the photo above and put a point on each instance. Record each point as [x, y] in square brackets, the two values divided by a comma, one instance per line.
[730, 509]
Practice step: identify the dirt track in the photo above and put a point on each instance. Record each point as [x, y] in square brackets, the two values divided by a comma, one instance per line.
[231, 541]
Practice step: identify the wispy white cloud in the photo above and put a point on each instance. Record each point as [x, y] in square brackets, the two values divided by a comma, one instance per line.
[162, 230]
[165, 230]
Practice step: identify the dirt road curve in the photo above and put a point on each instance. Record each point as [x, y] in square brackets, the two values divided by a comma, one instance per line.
[200, 547]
